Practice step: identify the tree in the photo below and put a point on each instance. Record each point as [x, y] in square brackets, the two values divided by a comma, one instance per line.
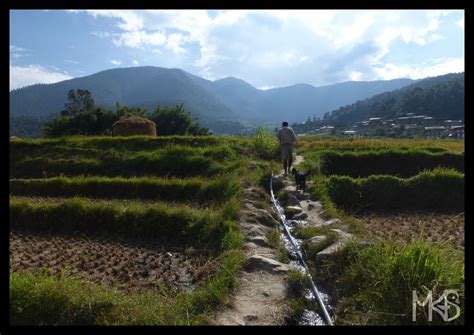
[81, 117]
[78, 100]
[175, 121]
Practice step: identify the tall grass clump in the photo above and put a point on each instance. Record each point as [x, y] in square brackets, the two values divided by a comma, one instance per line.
[380, 280]
[265, 144]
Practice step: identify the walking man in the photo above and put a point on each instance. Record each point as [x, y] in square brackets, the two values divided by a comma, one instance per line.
[287, 138]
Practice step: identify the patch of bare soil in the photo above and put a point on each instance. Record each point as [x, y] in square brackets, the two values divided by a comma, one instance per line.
[128, 264]
[434, 227]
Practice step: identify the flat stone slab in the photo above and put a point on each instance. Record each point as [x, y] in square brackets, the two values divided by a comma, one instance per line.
[316, 239]
[292, 210]
[261, 263]
[260, 241]
[331, 222]
[343, 239]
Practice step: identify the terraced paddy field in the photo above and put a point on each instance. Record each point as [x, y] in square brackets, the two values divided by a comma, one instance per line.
[128, 264]
[405, 227]
[124, 230]
[403, 199]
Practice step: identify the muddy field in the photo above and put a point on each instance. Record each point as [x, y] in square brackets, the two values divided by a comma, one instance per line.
[127, 264]
[406, 226]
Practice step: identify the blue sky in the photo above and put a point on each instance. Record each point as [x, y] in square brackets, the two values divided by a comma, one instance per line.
[266, 48]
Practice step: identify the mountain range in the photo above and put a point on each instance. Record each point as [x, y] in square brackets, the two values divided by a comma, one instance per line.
[440, 97]
[221, 105]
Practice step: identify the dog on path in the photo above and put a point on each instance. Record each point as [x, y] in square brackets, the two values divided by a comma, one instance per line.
[300, 179]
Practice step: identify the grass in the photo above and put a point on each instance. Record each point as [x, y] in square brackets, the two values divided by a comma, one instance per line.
[172, 161]
[439, 190]
[160, 220]
[83, 166]
[401, 163]
[219, 189]
[41, 299]
[375, 283]
[274, 239]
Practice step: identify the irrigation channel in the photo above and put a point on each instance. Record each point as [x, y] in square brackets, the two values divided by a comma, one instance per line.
[293, 247]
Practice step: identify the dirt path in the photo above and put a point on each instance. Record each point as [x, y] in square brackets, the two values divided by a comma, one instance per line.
[260, 298]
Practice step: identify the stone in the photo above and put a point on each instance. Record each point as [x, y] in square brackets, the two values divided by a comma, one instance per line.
[260, 241]
[331, 222]
[292, 201]
[292, 210]
[313, 205]
[260, 263]
[250, 318]
[289, 188]
[342, 241]
[302, 196]
[300, 216]
[316, 239]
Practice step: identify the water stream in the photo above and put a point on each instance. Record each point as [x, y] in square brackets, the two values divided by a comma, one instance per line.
[293, 246]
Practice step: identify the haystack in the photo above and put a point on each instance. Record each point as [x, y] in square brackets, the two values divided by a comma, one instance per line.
[130, 125]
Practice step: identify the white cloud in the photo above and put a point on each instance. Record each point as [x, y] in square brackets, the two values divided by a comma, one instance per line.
[116, 62]
[17, 52]
[279, 47]
[430, 68]
[71, 61]
[137, 39]
[135, 62]
[34, 74]
[356, 76]
[460, 23]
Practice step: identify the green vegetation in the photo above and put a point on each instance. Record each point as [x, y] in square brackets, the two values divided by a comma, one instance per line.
[387, 162]
[220, 188]
[274, 239]
[372, 283]
[375, 283]
[439, 190]
[441, 97]
[266, 145]
[195, 181]
[82, 117]
[159, 220]
[172, 161]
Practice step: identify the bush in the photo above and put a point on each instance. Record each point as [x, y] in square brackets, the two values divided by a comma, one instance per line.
[266, 144]
[439, 190]
[387, 162]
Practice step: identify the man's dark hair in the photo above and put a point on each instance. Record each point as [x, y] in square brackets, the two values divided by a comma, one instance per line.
[285, 124]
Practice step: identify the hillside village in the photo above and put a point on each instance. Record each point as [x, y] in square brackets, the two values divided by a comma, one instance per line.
[405, 126]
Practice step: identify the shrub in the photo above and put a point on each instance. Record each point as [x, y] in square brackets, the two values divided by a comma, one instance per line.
[439, 190]
[388, 162]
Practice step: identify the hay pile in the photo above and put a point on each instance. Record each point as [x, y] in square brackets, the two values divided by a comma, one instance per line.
[130, 125]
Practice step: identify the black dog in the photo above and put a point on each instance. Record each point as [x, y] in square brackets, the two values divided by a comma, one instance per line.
[300, 179]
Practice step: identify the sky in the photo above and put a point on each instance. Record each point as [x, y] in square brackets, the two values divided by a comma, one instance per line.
[266, 48]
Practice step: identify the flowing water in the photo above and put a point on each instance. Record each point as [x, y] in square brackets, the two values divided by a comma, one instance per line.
[293, 246]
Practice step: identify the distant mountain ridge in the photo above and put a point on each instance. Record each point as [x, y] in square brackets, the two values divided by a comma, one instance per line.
[229, 100]
[441, 97]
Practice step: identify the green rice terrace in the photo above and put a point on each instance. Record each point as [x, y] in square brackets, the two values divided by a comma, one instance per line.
[172, 230]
